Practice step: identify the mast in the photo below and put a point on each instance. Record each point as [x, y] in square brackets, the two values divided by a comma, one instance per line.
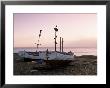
[55, 36]
[55, 41]
[37, 44]
[60, 44]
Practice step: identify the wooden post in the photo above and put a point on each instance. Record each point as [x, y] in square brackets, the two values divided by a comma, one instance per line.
[55, 40]
[55, 36]
[60, 44]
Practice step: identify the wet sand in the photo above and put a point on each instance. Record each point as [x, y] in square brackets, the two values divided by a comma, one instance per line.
[82, 65]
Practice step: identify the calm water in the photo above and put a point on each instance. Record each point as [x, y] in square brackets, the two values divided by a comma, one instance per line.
[77, 51]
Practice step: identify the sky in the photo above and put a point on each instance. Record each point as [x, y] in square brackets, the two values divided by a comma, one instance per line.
[77, 30]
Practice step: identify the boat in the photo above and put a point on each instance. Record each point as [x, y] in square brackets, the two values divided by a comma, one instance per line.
[52, 58]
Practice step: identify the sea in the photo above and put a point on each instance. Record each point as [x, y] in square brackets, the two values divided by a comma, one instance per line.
[78, 51]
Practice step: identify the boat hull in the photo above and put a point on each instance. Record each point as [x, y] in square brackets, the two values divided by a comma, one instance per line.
[50, 62]
[30, 59]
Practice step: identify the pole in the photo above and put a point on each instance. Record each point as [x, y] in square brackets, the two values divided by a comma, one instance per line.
[60, 44]
[55, 40]
[55, 36]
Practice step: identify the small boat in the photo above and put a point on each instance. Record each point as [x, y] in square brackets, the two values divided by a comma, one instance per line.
[52, 58]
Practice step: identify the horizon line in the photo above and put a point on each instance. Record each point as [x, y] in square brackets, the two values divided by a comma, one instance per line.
[56, 47]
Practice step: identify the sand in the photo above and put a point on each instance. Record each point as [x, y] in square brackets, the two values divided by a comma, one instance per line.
[82, 65]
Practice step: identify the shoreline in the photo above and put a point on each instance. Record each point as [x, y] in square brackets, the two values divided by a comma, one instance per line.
[78, 55]
[82, 65]
[76, 50]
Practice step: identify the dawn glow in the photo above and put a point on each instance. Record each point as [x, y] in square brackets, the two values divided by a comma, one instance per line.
[78, 30]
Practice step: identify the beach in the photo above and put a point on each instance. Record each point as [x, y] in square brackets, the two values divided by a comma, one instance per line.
[81, 65]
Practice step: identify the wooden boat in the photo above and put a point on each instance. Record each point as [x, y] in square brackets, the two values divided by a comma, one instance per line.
[53, 58]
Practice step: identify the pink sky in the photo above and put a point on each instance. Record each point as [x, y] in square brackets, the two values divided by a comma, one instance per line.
[78, 30]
